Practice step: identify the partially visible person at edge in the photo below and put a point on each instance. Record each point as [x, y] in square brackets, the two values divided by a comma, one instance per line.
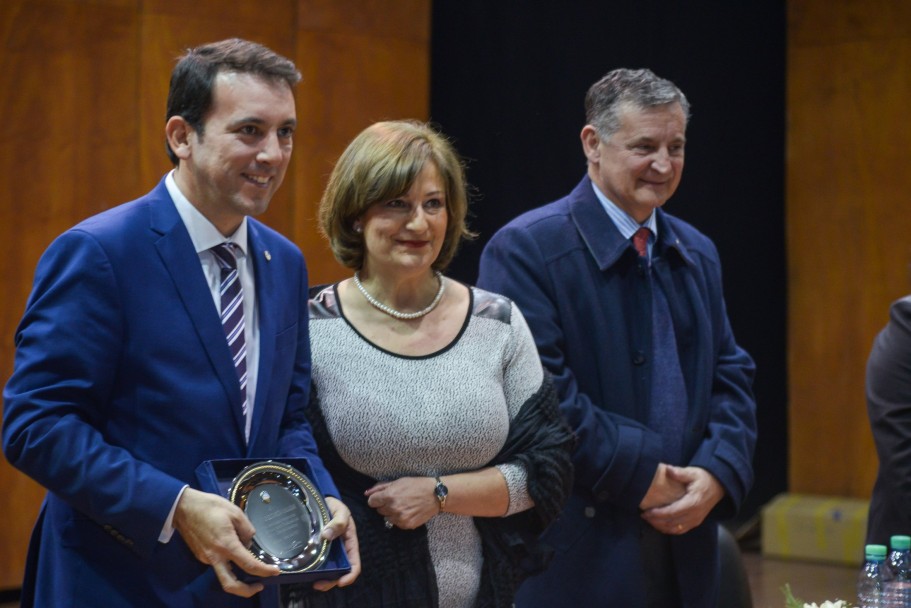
[889, 410]
[124, 379]
[625, 303]
[432, 412]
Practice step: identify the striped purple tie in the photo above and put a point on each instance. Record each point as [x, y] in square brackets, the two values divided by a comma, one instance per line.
[232, 313]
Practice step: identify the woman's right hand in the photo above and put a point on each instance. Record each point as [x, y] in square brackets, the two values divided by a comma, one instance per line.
[407, 502]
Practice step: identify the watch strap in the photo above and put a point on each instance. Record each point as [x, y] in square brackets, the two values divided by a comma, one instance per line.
[441, 492]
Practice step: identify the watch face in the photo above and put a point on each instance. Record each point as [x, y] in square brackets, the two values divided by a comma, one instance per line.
[441, 491]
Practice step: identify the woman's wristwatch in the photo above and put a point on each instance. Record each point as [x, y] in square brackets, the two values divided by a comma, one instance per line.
[441, 492]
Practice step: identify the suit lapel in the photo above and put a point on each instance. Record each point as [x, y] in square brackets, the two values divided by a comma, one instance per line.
[265, 297]
[182, 262]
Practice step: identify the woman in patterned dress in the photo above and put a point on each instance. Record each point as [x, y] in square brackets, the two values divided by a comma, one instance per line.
[432, 409]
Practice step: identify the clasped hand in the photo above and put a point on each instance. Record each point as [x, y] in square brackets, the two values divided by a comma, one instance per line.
[680, 498]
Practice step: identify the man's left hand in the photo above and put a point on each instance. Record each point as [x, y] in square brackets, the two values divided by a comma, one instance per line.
[342, 525]
[703, 492]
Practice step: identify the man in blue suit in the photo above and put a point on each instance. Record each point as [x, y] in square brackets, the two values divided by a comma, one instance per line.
[625, 303]
[124, 378]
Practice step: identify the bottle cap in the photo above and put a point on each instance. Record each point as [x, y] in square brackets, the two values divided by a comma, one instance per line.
[875, 552]
[900, 542]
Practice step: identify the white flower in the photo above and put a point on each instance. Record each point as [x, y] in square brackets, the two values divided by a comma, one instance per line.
[792, 602]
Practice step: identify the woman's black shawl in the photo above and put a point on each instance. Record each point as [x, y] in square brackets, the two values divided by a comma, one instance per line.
[397, 571]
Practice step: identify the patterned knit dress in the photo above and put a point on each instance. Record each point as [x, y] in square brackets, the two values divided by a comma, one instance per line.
[391, 415]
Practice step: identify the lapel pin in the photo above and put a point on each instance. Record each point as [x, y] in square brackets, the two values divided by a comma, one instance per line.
[268, 255]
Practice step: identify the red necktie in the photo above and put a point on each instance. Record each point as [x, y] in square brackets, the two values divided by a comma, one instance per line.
[640, 242]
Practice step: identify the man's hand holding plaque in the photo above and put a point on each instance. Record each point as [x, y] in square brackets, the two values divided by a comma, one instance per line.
[342, 525]
[269, 519]
[217, 533]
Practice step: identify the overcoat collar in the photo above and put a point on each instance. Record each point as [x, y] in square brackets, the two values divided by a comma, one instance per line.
[601, 237]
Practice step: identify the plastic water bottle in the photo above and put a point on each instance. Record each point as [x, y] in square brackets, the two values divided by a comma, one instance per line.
[871, 580]
[898, 588]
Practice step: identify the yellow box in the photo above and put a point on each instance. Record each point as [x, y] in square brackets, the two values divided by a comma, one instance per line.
[815, 528]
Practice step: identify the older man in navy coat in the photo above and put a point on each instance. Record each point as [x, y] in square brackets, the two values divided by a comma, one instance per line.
[124, 379]
[625, 303]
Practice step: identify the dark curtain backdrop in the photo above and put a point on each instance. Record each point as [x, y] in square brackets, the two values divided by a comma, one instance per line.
[508, 80]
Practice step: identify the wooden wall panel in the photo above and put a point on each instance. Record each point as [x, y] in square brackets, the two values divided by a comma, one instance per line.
[849, 229]
[67, 150]
[168, 28]
[84, 85]
[361, 62]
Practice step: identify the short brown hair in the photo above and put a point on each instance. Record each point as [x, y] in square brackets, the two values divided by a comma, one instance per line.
[380, 164]
[193, 78]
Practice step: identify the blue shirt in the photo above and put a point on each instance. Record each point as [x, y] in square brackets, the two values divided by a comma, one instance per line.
[625, 222]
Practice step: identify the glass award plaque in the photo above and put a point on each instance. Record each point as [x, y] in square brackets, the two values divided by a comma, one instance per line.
[288, 512]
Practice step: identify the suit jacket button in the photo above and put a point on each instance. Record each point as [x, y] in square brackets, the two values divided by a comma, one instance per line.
[638, 357]
[589, 512]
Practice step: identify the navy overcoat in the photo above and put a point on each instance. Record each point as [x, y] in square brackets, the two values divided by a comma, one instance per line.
[587, 302]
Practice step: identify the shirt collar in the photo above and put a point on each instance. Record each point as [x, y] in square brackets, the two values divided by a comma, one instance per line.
[203, 233]
[624, 221]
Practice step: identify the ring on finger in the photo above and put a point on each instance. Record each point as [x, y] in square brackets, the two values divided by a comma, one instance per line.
[387, 523]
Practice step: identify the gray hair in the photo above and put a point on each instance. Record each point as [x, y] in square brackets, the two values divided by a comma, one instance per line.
[624, 87]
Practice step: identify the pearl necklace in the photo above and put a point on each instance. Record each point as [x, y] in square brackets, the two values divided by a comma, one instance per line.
[407, 316]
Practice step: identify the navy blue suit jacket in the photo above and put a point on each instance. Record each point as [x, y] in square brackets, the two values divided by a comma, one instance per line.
[123, 384]
[577, 281]
[889, 409]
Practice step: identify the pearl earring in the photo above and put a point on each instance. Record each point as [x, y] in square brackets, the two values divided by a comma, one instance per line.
[358, 228]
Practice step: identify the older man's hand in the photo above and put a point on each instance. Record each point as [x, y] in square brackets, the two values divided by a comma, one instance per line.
[702, 493]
